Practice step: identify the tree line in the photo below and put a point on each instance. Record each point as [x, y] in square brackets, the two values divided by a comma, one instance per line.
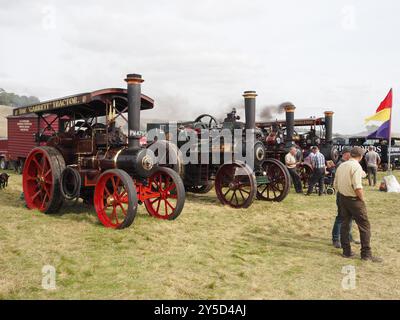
[15, 100]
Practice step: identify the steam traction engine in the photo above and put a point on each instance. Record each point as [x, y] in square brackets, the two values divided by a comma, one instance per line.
[236, 183]
[280, 136]
[92, 158]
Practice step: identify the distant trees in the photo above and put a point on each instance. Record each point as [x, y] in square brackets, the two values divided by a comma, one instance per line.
[14, 100]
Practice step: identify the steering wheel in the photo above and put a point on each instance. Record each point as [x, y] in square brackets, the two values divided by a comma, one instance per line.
[212, 123]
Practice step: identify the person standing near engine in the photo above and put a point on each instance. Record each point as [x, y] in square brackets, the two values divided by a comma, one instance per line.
[291, 163]
[348, 183]
[372, 160]
[338, 220]
[318, 175]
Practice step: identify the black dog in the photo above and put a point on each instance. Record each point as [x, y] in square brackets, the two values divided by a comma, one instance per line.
[4, 180]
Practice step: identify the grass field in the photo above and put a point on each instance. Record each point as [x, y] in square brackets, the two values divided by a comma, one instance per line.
[270, 251]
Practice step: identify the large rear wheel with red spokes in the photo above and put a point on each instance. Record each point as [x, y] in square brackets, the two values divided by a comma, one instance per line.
[41, 179]
[165, 197]
[235, 185]
[115, 199]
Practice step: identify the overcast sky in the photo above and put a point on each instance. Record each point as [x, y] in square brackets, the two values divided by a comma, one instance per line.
[199, 56]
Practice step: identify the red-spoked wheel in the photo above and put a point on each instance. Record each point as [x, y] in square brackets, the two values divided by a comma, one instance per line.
[235, 185]
[41, 179]
[273, 181]
[115, 199]
[165, 194]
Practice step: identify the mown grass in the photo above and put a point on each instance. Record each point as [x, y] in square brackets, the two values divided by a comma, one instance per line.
[270, 251]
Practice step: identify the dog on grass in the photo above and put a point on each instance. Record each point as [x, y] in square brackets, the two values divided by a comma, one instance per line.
[3, 180]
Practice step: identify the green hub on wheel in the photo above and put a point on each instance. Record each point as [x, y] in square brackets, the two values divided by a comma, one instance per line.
[262, 180]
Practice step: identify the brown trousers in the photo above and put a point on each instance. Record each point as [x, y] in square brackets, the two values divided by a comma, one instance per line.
[354, 208]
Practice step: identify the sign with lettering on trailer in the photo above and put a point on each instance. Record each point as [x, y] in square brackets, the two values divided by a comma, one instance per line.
[54, 104]
[24, 125]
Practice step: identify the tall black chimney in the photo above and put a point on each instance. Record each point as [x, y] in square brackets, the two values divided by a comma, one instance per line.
[250, 109]
[328, 126]
[289, 109]
[134, 102]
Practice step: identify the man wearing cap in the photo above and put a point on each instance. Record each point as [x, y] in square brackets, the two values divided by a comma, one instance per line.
[348, 183]
[318, 175]
[291, 163]
[338, 219]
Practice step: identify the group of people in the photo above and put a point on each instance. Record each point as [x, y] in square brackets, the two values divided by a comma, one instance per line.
[317, 161]
[350, 199]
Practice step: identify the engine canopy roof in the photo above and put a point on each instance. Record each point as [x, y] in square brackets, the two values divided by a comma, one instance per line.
[85, 104]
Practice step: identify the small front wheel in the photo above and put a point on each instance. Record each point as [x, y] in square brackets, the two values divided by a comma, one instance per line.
[235, 185]
[165, 196]
[330, 191]
[115, 199]
[273, 181]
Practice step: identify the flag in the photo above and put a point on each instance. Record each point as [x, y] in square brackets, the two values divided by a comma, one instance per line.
[384, 111]
[387, 102]
[383, 115]
[383, 132]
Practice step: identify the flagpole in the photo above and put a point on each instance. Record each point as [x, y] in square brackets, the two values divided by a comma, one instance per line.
[390, 139]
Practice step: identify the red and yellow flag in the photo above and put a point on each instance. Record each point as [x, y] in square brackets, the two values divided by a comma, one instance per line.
[383, 113]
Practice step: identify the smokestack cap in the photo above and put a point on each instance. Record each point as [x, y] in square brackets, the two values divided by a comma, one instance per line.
[328, 113]
[134, 78]
[250, 94]
[288, 106]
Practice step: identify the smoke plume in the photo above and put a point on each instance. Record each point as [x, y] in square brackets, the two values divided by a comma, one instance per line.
[270, 112]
